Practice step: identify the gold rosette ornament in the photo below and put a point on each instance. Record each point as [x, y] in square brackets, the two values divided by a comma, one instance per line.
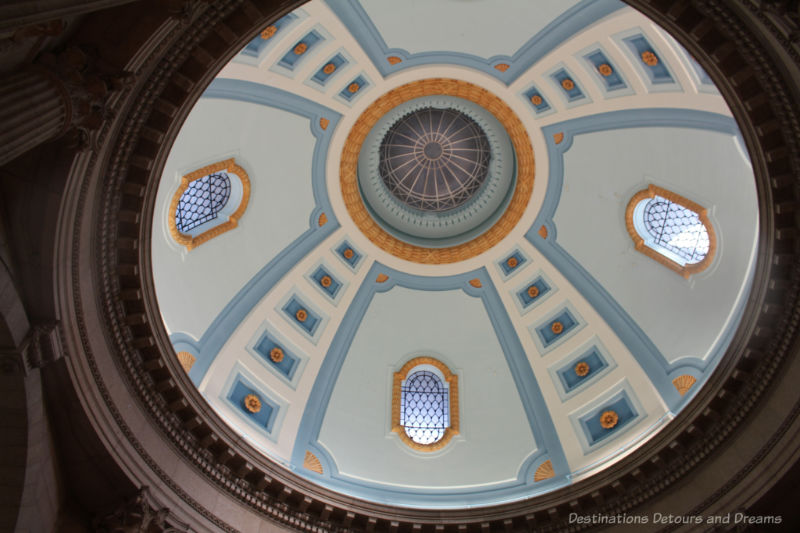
[326, 281]
[605, 69]
[329, 68]
[268, 32]
[536, 99]
[533, 291]
[276, 354]
[557, 327]
[301, 315]
[581, 369]
[353, 87]
[300, 48]
[348, 253]
[568, 84]
[609, 419]
[512, 262]
[252, 403]
[649, 58]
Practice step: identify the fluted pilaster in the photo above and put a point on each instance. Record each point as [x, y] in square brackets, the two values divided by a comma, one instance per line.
[34, 108]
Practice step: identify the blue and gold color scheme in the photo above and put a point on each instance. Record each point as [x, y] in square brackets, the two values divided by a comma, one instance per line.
[582, 369]
[277, 356]
[326, 282]
[263, 414]
[569, 87]
[302, 316]
[604, 69]
[557, 328]
[330, 68]
[296, 53]
[348, 254]
[269, 35]
[603, 422]
[534, 292]
[651, 62]
[350, 91]
[512, 263]
[535, 98]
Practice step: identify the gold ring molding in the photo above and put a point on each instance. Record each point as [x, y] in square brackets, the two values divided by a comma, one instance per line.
[428, 87]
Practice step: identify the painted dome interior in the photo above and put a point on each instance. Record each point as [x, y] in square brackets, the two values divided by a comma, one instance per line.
[456, 259]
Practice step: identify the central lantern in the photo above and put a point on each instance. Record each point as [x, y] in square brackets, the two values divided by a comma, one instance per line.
[437, 171]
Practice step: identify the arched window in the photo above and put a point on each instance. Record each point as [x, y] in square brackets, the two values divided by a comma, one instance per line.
[208, 202]
[425, 404]
[672, 230]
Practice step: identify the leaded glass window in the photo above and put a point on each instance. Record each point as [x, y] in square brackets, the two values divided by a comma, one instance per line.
[671, 230]
[202, 200]
[677, 229]
[424, 410]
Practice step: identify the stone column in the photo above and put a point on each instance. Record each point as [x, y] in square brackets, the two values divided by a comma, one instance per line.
[34, 108]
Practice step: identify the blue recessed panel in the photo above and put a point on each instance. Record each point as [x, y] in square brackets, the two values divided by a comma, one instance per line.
[301, 315]
[537, 100]
[582, 369]
[348, 254]
[265, 417]
[300, 50]
[556, 329]
[592, 423]
[512, 263]
[354, 88]
[609, 75]
[329, 69]
[276, 356]
[651, 62]
[259, 43]
[534, 292]
[568, 85]
[326, 282]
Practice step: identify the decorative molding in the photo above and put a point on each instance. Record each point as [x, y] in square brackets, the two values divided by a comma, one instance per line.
[502, 67]
[381, 278]
[545, 471]
[684, 383]
[558, 137]
[192, 242]
[310, 462]
[437, 86]
[452, 381]
[186, 360]
[475, 283]
[639, 243]
[323, 219]
[323, 123]
[543, 232]
[393, 60]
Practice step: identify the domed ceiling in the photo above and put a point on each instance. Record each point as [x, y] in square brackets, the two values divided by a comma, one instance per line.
[454, 253]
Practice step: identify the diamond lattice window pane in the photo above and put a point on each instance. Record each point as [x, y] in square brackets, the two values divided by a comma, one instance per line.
[424, 410]
[677, 229]
[202, 200]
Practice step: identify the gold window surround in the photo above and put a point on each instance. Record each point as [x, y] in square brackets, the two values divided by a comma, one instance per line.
[639, 243]
[228, 165]
[452, 386]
